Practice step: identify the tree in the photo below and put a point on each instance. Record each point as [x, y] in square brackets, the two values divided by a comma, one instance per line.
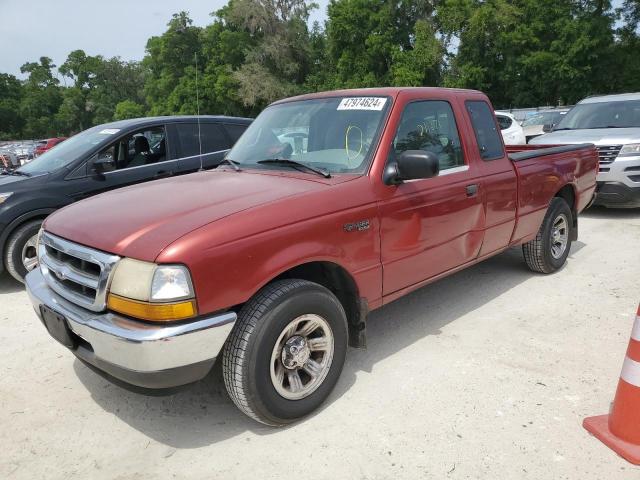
[168, 56]
[530, 52]
[115, 81]
[423, 63]
[41, 100]
[128, 109]
[366, 38]
[11, 121]
[278, 47]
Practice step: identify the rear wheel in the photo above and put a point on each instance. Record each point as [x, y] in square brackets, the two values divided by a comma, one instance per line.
[21, 253]
[286, 351]
[549, 250]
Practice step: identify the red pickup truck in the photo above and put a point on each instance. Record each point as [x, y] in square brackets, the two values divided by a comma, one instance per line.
[329, 206]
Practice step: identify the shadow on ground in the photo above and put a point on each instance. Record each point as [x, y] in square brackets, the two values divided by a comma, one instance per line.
[202, 414]
[612, 213]
[9, 285]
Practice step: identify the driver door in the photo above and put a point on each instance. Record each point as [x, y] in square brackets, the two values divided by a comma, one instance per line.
[430, 226]
[138, 157]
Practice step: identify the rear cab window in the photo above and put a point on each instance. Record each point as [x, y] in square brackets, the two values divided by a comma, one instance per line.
[484, 126]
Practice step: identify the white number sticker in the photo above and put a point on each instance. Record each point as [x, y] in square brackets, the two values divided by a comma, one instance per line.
[109, 131]
[362, 103]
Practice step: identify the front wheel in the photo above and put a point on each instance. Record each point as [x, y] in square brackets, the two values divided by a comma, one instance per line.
[21, 253]
[549, 250]
[286, 351]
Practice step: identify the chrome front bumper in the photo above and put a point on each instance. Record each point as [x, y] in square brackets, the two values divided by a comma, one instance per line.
[139, 353]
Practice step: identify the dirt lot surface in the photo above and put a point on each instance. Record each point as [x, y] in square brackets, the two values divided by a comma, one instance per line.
[486, 374]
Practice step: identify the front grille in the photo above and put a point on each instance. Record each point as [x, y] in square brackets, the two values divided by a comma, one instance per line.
[608, 153]
[75, 272]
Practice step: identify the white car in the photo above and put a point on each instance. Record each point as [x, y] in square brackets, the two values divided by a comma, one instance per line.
[512, 132]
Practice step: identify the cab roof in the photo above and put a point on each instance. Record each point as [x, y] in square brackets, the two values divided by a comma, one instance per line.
[373, 92]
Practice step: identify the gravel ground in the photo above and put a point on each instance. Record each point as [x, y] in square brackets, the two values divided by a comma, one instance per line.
[486, 374]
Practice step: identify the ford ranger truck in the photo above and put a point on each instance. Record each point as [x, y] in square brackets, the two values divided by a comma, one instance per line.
[329, 206]
[612, 124]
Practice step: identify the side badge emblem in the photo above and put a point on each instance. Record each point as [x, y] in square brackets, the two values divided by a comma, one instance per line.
[357, 226]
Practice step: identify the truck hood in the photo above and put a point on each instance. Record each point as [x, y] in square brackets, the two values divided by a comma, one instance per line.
[597, 136]
[140, 221]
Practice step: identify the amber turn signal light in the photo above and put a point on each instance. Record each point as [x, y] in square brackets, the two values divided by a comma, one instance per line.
[155, 312]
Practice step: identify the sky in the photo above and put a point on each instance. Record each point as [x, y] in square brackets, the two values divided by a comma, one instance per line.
[53, 28]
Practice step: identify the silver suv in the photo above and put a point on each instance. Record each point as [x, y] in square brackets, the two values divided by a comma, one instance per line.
[612, 123]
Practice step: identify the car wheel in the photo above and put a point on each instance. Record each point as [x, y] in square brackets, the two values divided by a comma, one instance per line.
[21, 253]
[286, 351]
[549, 250]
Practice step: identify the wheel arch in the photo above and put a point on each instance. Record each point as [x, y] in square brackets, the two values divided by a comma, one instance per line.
[39, 214]
[341, 283]
[568, 194]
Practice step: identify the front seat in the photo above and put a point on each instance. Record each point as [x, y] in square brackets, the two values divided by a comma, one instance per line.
[142, 151]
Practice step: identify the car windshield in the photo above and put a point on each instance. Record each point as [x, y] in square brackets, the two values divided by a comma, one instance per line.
[619, 114]
[68, 151]
[541, 119]
[335, 134]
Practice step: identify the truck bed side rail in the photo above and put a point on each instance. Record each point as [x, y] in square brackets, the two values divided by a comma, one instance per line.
[518, 153]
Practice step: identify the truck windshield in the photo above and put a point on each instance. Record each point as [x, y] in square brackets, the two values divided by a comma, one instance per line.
[69, 151]
[335, 134]
[620, 114]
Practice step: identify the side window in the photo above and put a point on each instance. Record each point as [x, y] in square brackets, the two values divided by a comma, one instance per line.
[143, 147]
[235, 130]
[430, 126]
[212, 137]
[485, 129]
[504, 122]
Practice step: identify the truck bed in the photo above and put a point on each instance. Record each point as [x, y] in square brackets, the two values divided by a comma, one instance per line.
[541, 171]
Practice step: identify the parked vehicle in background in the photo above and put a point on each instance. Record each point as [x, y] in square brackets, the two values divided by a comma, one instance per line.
[45, 145]
[612, 123]
[542, 122]
[24, 151]
[8, 158]
[330, 205]
[103, 158]
[512, 132]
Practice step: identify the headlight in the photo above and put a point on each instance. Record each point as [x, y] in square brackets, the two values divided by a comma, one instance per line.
[152, 292]
[4, 196]
[630, 149]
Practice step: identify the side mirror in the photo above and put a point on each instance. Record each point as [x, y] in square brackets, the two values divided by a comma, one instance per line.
[411, 165]
[548, 127]
[103, 164]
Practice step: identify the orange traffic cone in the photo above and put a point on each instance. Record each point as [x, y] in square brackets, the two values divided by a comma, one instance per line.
[620, 430]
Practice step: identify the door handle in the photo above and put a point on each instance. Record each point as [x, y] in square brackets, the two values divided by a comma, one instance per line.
[472, 190]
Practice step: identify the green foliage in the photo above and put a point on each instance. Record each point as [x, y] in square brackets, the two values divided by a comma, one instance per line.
[128, 109]
[520, 52]
[11, 92]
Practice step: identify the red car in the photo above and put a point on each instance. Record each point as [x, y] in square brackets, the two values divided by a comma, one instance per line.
[329, 206]
[44, 145]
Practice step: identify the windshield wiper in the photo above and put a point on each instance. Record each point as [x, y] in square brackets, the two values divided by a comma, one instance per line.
[563, 128]
[295, 164]
[233, 163]
[19, 173]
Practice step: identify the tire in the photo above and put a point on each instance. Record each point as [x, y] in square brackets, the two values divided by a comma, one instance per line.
[251, 359]
[17, 245]
[543, 254]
